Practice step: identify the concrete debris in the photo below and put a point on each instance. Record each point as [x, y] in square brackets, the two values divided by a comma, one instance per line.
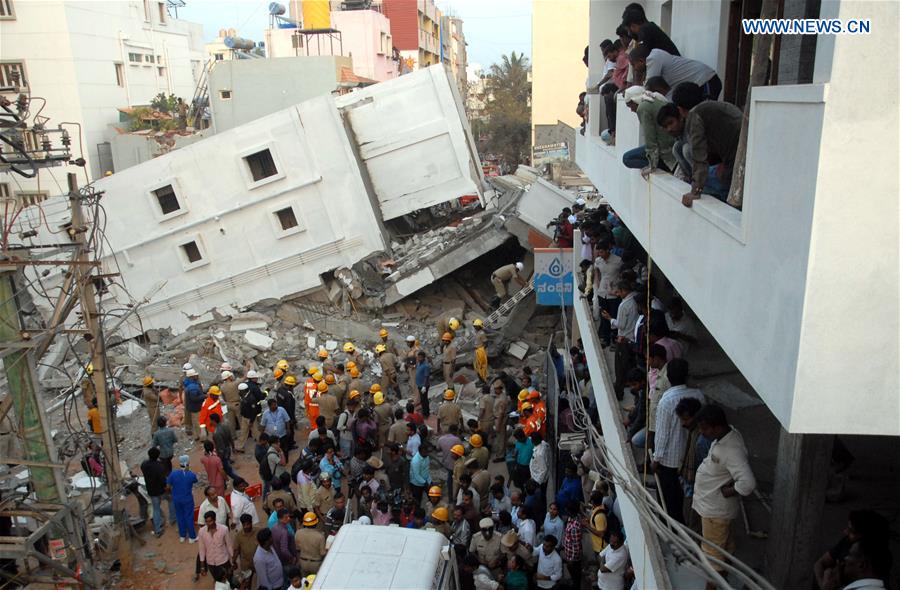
[331, 345]
[518, 349]
[258, 341]
[311, 342]
[127, 408]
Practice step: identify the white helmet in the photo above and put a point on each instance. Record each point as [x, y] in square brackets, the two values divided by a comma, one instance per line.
[225, 367]
[243, 387]
[190, 373]
[579, 201]
[364, 520]
[186, 367]
[520, 266]
[251, 374]
[227, 375]
[410, 338]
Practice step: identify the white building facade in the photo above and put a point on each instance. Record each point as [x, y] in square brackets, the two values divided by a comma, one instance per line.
[87, 59]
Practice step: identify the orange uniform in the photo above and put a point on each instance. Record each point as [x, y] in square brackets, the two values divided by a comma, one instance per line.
[310, 400]
[211, 405]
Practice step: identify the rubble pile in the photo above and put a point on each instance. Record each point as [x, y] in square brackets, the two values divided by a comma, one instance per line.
[420, 249]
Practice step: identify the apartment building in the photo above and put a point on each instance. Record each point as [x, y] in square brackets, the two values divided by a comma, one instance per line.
[88, 59]
[415, 25]
[799, 286]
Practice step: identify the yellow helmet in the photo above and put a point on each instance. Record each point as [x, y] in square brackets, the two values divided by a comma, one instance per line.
[278, 373]
[440, 513]
[379, 348]
[447, 337]
[479, 323]
[435, 492]
[458, 450]
[312, 368]
[378, 398]
[353, 394]
[348, 347]
[308, 581]
[354, 372]
[449, 395]
[317, 376]
[290, 380]
[322, 387]
[376, 388]
[310, 519]
[350, 365]
[523, 395]
[214, 390]
[383, 333]
[323, 354]
[89, 369]
[476, 441]
[454, 324]
[283, 365]
[148, 381]
[329, 379]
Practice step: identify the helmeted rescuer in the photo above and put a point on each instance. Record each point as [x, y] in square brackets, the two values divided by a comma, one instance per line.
[310, 395]
[480, 363]
[448, 357]
[211, 405]
[310, 544]
[150, 395]
[501, 278]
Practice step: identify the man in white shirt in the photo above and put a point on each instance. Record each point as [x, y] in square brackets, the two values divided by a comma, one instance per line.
[675, 69]
[607, 267]
[723, 476]
[549, 563]
[539, 464]
[241, 503]
[613, 563]
[623, 325]
[671, 437]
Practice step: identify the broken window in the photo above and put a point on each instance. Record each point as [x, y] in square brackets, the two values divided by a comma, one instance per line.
[168, 201]
[192, 252]
[287, 218]
[261, 165]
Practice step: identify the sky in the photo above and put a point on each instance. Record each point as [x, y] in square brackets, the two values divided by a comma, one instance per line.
[492, 27]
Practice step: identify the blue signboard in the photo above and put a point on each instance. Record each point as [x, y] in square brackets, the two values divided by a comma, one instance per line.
[553, 279]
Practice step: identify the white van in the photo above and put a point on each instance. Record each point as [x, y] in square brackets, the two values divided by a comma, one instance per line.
[368, 557]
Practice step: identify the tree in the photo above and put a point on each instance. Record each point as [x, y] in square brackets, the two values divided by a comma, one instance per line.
[508, 110]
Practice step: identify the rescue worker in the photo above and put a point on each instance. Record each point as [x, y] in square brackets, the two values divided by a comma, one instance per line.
[150, 395]
[231, 398]
[310, 544]
[388, 344]
[447, 324]
[435, 497]
[388, 362]
[480, 360]
[501, 416]
[449, 413]
[486, 414]
[539, 405]
[252, 400]
[327, 364]
[479, 451]
[310, 393]
[355, 355]
[384, 416]
[409, 362]
[192, 398]
[522, 397]
[481, 479]
[439, 518]
[211, 405]
[279, 371]
[529, 422]
[337, 386]
[356, 384]
[501, 278]
[329, 407]
[87, 385]
[284, 397]
[485, 545]
[448, 357]
[459, 467]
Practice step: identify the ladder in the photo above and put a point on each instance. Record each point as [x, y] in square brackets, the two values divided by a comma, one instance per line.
[500, 312]
[200, 100]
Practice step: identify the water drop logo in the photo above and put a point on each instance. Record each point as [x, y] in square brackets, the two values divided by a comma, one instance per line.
[556, 268]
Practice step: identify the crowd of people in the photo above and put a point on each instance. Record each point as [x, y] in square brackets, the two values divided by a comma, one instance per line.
[687, 130]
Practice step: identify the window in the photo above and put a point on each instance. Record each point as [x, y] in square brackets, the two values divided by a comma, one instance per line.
[6, 10]
[192, 252]
[286, 218]
[12, 73]
[163, 14]
[219, 57]
[161, 72]
[261, 165]
[135, 58]
[120, 75]
[225, 94]
[147, 10]
[168, 201]
[149, 58]
[4, 190]
[159, 59]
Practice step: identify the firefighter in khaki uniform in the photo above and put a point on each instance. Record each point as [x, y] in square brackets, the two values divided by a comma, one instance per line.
[449, 413]
[503, 276]
[386, 340]
[150, 395]
[409, 363]
[336, 388]
[356, 384]
[480, 361]
[232, 398]
[501, 416]
[310, 544]
[328, 403]
[448, 357]
[355, 356]
[388, 362]
[446, 324]
[384, 416]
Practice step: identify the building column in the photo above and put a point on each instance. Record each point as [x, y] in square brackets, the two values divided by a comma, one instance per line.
[801, 474]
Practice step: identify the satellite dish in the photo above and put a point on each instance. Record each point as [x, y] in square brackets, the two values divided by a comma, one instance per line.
[276, 9]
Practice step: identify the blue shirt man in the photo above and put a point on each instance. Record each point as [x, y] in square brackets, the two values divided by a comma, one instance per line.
[419, 469]
[423, 381]
[275, 420]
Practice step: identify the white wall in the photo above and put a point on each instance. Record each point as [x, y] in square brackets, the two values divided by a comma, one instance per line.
[801, 287]
[700, 31]
[541, 203]
[248, 258]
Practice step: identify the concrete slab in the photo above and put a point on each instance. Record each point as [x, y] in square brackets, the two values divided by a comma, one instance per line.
[311, 342]
[258, 341]
[518, 349]
[242, 325]
[331, 345]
